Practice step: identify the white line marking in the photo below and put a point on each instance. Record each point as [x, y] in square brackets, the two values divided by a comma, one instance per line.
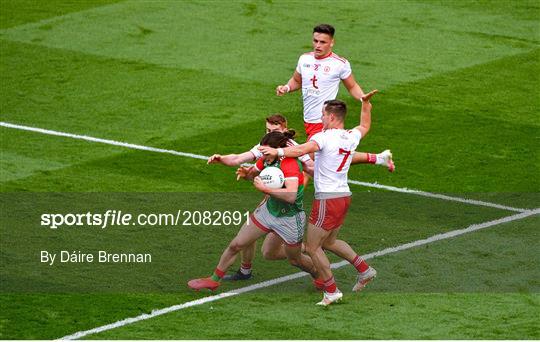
[293, 276]
[198, 156]
[439, 196]
[103, 141]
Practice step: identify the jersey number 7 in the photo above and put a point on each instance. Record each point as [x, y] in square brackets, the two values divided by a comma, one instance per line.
[346, 155]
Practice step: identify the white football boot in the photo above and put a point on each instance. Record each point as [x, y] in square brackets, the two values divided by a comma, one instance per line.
[364, 278]
[329, 298]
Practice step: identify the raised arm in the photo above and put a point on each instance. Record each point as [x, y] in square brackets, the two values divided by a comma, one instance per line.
[293, 84]
[365, 116]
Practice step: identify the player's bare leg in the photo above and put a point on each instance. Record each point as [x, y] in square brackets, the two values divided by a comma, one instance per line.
[246, 258]
[342, 249]
[315, 240]
[273, 248]
[300, 260]
[248, 234]
[339, 247]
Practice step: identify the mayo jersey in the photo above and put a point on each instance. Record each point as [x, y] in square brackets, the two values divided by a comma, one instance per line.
[258, 155]
[292, 168]
[320, 81]
[333, 160]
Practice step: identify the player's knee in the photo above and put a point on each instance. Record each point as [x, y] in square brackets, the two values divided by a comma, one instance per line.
[268, 253]
[235, 246]
[328, 245]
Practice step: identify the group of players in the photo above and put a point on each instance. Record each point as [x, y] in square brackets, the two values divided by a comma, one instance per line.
[326, 156]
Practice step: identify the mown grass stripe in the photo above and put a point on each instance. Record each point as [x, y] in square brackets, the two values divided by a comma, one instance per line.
[198, 156]
[386, 251]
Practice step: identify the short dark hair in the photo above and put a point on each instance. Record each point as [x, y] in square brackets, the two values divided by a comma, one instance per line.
[336, 107]
[325, 28]
[277, 119]
[276, 139]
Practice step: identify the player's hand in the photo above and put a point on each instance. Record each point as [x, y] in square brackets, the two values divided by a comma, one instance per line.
[282, 90]
[268, 151]
[242, 172]
[216, 158]
[258, 183]
[368, 96]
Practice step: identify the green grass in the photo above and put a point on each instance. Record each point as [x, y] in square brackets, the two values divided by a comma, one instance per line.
[458, 106]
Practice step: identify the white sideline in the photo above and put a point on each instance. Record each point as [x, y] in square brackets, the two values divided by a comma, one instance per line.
[198, 156]
[275, 281]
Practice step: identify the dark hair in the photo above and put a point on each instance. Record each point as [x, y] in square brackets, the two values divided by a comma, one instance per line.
[325, 28]
[278, 119]
[276, 139]
[336, 107]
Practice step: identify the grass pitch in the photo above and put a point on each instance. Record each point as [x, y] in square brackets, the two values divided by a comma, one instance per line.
[458, 107]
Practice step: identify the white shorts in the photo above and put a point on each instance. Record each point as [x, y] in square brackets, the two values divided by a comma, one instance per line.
[289, 228]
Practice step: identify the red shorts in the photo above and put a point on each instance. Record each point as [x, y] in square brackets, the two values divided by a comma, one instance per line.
[329, 213]
[312, 128]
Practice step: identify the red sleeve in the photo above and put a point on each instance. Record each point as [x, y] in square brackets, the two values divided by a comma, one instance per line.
[290, 168]
[259, 164]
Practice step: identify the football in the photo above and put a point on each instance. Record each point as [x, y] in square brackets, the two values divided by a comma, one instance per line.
[272, 177]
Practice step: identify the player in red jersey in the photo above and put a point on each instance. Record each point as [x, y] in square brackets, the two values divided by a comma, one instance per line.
[281, 213]
[272, 247]
[333, 148]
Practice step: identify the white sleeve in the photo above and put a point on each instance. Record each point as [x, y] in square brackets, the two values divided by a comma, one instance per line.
[319, 138]
[345, 70]
[357, 135]
[305, 158]
[299, 66]
[256, 152]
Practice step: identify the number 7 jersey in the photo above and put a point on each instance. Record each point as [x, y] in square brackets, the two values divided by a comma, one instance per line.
[333, 160]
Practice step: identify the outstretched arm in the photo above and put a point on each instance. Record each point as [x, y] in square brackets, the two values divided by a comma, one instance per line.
[291, 151]
[365, 116]
[293, 84]
[231, 159]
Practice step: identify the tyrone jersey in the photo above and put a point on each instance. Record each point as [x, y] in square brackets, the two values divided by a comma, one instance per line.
[333, 160]
[258, 155]
[320, 82]
[292, 168]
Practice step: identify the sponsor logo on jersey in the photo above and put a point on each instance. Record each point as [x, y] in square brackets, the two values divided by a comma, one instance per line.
[306, 65]
[327, 69]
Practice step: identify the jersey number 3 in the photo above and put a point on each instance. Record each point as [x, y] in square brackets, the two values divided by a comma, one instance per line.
[346, 155]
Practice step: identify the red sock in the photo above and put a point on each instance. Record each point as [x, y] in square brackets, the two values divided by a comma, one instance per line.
[219, 273]
[360, 264]
[319, 283]
[371, 158]
[330, 285]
